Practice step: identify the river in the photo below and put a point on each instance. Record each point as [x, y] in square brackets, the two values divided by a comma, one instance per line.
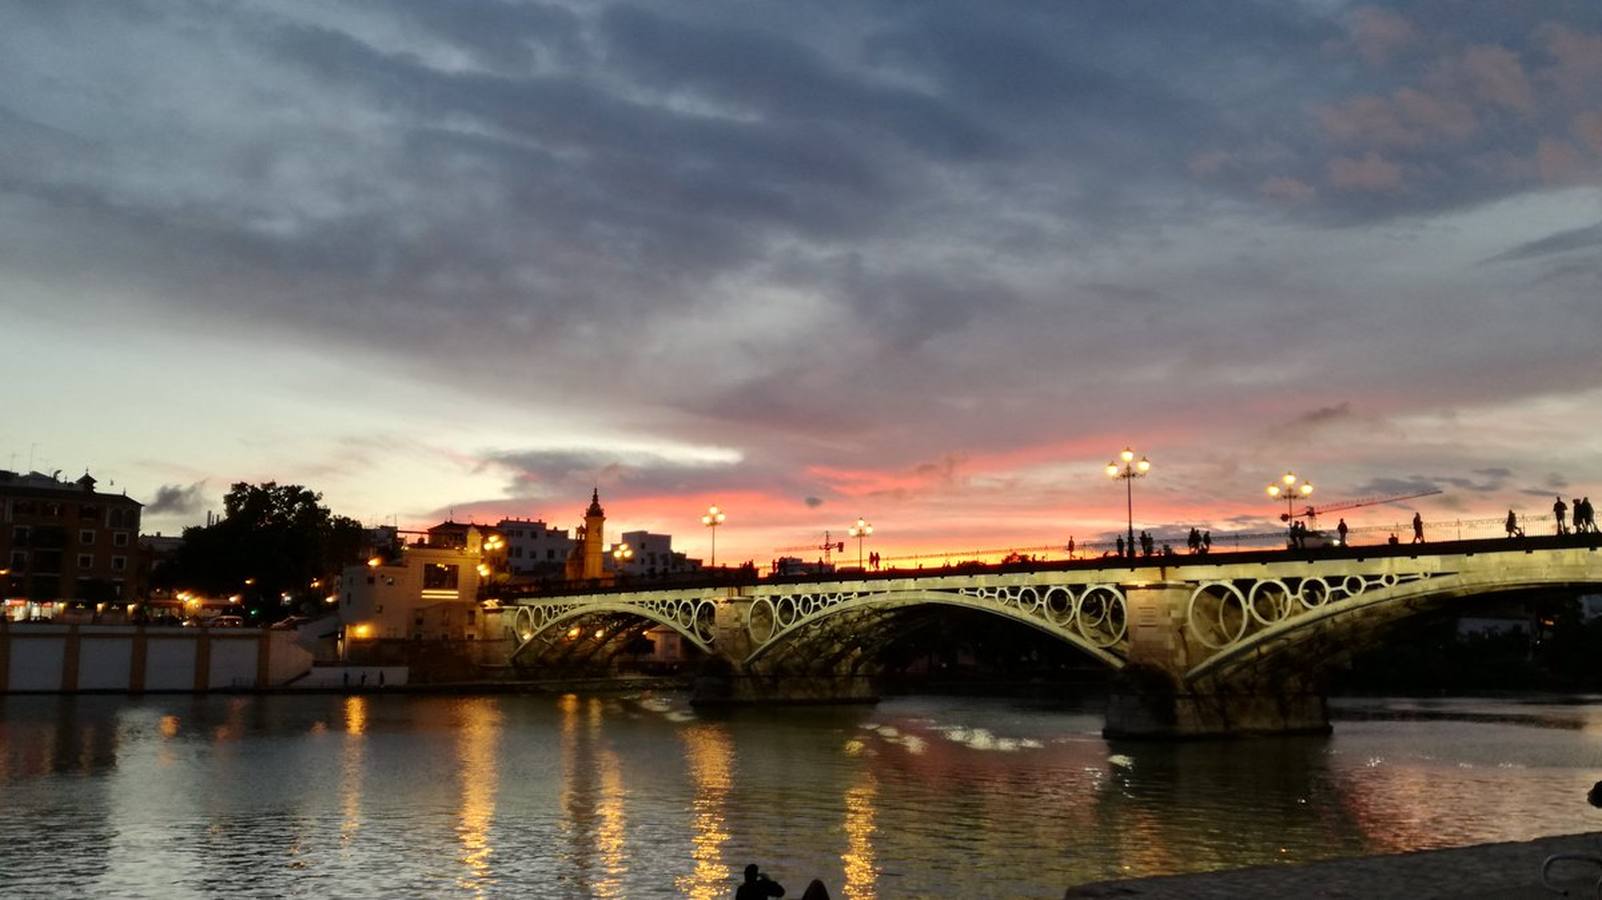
[580, 796]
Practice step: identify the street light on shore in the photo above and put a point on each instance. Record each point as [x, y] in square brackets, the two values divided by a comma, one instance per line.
[1128, 472]
[1290, 486]
[713, 518]
[860, 531]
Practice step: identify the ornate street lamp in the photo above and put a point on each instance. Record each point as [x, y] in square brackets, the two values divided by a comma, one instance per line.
[1128, 472]
[621, 554]
[1290, 486]
[713, 518]
[860, 531]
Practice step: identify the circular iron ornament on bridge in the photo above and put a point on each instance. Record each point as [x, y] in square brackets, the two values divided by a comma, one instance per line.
[523, 623]
[704, 621]
[1315, 592]
[1101, 616]
[1270, 601]
[1217, 614]
[1354, 585]
[761, 621]
[1059, 607]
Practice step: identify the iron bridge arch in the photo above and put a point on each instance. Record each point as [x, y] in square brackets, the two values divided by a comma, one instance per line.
[1092, 617]
[693, 617]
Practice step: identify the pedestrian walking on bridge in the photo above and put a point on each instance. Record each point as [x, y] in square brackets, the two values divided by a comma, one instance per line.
[1513, 529]
[1418, 528]
[1559, 510]
[1342, 530]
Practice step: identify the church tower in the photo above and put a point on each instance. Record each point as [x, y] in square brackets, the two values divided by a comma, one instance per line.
[594, 537]
[586, 561]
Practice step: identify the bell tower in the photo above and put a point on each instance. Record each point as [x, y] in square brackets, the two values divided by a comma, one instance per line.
[594, 537]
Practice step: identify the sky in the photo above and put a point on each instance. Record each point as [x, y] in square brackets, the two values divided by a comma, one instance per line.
[930, 263]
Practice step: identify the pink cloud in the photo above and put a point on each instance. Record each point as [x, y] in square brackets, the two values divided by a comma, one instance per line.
[1371, 173]
[1578, 57]
[1588, 128]
[1287, 190]
[1408, 118]
[1558, 162]
[1496, 76]
[1379, 34]
[1209, 163]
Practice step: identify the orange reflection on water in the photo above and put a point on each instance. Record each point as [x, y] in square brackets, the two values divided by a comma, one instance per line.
[169, 726]
[861, 877]
[711, 756]
[475, 749]
[350, 785]
[610, 830]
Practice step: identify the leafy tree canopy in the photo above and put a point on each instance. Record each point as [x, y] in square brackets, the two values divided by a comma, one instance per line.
[277, 537]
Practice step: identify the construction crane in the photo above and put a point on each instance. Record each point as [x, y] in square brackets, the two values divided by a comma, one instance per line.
[829, 546]
[1311, 513]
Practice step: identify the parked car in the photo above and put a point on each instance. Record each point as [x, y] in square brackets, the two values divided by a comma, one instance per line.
[227, 622]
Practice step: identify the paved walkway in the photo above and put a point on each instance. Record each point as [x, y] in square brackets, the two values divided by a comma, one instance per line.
[1484, 871]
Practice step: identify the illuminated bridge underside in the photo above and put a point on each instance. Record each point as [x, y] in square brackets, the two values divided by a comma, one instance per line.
[580, 629]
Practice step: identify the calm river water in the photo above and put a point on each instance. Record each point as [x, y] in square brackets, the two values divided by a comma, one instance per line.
[574, 796]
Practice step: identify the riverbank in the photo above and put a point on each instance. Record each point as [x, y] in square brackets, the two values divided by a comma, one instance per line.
[1511, 870]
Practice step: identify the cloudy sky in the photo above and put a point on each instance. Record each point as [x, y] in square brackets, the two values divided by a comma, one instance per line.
[927, 262]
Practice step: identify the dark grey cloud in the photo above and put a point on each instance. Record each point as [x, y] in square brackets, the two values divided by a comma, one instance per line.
[1559, 242]
[177, 500]
[830, 233]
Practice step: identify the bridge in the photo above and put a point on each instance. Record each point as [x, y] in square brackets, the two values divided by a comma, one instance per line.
[1221, 644]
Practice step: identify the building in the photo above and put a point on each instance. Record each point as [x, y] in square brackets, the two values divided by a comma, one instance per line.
[429, 592]
[653, 554]
[64, 542]
[534, 548]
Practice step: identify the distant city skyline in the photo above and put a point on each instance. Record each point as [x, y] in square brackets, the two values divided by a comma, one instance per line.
[932, 265]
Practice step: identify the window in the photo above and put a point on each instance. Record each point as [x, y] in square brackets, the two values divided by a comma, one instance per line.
[378, 608]
[439, 576]
[120, 539]
[19, 561]
[371, 580]
[86, 537]
[88, 511]
[52, 510]
[119, 563]
[21, 536]
[86, 561]
[23, 507]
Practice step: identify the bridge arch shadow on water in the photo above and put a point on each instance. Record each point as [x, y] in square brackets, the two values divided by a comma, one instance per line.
[1192, 631]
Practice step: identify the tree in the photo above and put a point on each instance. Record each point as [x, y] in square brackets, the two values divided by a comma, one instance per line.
[272, 540]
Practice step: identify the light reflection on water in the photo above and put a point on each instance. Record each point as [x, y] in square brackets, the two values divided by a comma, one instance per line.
[585, 796]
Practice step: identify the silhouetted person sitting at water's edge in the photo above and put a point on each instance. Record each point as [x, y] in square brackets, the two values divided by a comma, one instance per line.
[816, 891]
[758, 886]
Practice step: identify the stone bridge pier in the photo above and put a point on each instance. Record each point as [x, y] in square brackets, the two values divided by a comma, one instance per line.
[1152, 698]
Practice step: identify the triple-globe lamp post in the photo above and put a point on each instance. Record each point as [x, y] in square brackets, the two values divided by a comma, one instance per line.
[1127, 468]
[713, 518]
[1290, 486]
[860, 531]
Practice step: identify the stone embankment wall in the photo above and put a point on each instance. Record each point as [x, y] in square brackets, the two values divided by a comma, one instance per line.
[131, 659]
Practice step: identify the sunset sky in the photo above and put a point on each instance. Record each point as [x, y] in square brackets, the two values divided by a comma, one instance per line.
[930, 263]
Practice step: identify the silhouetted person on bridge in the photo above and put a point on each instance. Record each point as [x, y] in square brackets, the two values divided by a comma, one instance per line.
[1513, 529]
[1070, 546]
[758, 886]
[1120, 545]
[1392, 540]
[1145, 543]
[1342, 530]
[1207, 542]
[1418, 528]
[1584, 516]
[1193, 540]
[1559, 510]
